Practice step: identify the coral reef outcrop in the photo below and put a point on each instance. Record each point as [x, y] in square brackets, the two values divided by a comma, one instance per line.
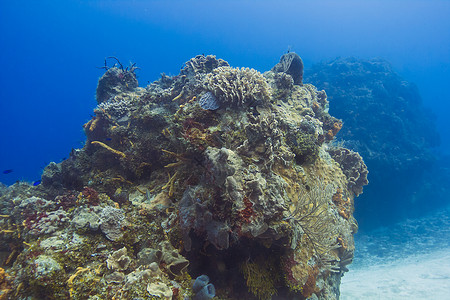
[220, 174]
[384, 117]
[386, 122]
[116, 80]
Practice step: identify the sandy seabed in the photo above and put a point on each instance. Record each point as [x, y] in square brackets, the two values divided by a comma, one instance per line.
[423, 276]
[410, 260]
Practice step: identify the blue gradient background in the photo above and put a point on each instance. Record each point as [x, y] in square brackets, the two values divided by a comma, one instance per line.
[49, 51]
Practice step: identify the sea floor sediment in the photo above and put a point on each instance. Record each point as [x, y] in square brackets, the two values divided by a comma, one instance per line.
[410, 260]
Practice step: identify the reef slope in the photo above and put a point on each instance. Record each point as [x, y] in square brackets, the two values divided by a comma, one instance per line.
[386, 122]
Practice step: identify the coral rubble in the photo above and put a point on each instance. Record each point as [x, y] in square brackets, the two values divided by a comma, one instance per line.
[220, 174]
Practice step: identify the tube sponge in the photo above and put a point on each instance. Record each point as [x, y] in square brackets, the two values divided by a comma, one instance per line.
[207, 292]
[200, 282]
[203, 289]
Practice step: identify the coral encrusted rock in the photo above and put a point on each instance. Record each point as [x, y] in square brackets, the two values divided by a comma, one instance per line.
[353, 167]
[115, 81]
[219, 173]
[386, 122]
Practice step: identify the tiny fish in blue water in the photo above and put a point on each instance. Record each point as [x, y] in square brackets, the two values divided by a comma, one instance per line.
[7, 171]
[37, 182]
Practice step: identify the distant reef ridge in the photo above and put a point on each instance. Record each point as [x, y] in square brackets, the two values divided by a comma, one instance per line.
[386, 122]
[217, 182]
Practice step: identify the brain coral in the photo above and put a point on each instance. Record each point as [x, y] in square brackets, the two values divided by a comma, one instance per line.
[238, 87]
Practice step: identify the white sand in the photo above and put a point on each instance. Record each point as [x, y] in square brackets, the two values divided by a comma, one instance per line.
[410, 260]
[424, 276]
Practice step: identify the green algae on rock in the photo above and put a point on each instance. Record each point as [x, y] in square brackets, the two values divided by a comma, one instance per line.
[165, 190]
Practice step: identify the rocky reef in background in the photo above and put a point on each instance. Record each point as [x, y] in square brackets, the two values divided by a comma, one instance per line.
[222, 174]
[384, 121]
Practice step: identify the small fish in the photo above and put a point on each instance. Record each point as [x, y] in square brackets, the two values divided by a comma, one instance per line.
[108, 139]
[37, 182]
[8, 171]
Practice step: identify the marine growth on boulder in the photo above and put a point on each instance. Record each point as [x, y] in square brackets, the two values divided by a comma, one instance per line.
[387, 123]
[222, 174]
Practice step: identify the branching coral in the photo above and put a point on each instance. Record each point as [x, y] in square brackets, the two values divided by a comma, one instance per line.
[72, 277]
[117, 152]
[5, 286]
[237, 87]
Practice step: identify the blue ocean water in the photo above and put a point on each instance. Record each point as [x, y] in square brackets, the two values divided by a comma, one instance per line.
[51, 50]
